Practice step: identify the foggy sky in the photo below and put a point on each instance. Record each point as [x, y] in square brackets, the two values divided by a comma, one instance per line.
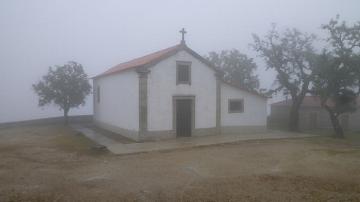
[99, 34]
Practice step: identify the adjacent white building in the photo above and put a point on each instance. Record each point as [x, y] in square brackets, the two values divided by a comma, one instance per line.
[172, 93]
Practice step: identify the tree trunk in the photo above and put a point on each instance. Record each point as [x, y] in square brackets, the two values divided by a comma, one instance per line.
[339, 132]
[294, 119]
[66, 118]
[294, 116]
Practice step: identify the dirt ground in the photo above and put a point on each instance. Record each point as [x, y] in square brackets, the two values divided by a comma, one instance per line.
[54, 163]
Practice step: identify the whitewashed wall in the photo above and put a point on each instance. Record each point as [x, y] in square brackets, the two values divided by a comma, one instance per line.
[119, 100]
[162, 86]
[254, 108]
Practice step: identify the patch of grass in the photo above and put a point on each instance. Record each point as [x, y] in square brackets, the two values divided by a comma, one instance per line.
[8, 148]
[14, 196]
[353, 137]
[73, 141]
[343, 152]
[323, 132]
[348, 146]
[243, 188]
[335, 152]
[272, 188]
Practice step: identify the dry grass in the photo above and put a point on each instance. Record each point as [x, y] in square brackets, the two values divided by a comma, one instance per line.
[249, 188]
[54, 163]
[71, 141]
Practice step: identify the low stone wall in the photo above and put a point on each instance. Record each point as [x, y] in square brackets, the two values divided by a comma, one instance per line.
[52, 120]
[171, 134]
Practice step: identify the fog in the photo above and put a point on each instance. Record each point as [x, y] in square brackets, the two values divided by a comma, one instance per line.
[99, 34]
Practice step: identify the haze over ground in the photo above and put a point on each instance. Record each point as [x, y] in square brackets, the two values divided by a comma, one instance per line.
[99, 34]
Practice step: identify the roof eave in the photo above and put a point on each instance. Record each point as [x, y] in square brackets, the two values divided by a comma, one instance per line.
[148, 65]
[248, 91]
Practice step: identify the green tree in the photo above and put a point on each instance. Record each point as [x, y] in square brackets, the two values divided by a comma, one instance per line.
[238, 68]
[337, 76]
[291, 54]
[66, 86]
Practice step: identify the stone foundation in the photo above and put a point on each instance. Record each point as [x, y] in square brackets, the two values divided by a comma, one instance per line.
[233, 130]
[170, 134]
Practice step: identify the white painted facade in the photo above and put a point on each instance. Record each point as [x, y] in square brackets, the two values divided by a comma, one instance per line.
[119, 106]
[254, 108]
[162, 87]
[119, 100]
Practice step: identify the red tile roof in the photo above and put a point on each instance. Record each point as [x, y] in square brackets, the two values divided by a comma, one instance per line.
[137, 62]
[244, 89]
[309, 101]
[153, 58]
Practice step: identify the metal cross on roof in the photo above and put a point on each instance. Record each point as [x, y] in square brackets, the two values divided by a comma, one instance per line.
[183, 32]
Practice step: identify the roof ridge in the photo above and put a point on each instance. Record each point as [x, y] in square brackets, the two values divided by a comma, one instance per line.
[254, 92]
[152, 53]
[153, 58]
[139, 61]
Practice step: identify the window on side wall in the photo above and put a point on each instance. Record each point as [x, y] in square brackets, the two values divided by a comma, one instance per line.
[236, 106]
[183, 72]
[98, 94]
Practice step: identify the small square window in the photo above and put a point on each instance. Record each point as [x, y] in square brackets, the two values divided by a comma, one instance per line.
[236, 106]
[183, 72]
